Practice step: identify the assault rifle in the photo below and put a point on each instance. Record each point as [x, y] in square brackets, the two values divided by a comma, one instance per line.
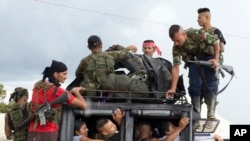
[41, 112]
[219, 70]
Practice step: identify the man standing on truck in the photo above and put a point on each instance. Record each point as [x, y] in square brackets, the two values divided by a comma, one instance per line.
[204, 20]
[191, 45]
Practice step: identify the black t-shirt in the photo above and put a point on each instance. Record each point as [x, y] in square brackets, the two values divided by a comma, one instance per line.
[115, 137]
[220, 35]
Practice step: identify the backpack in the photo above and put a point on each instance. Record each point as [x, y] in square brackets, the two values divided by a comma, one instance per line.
[17, 113]
[156, 72]
[99, 66]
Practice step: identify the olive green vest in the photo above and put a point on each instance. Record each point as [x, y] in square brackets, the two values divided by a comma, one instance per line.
[54, 114]
[17, 113]
[99, 66]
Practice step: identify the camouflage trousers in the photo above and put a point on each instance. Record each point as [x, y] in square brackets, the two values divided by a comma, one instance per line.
[125, 83]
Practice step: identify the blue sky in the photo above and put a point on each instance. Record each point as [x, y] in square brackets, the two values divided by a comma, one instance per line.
[34, 32]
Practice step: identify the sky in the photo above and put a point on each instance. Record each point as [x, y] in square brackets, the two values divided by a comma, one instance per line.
[35, 32]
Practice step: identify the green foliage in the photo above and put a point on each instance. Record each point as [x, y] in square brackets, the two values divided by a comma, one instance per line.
[2, 93]
[5, 107]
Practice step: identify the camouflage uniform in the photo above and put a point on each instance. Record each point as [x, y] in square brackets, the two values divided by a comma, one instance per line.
[97, 71]
[215, 31]
[200, 45]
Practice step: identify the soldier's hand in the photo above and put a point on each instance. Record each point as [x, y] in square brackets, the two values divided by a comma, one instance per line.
[170, 94]
[77, 90]
[215, 63]
[132, 48]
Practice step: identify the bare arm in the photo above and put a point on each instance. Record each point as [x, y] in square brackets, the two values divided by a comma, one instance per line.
[222, 47]
[216, 51]
[79, 101]
[7, 128]
[182, 124]
[215, 61]
[175, 76]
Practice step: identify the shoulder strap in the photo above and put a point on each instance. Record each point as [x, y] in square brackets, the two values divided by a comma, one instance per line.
[231, 72]
[201, 72]
[55, 90]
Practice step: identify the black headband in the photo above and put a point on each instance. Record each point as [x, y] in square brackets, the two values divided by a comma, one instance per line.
[57, 66]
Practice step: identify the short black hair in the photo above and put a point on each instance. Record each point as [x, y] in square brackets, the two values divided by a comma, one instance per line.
[164, 127]
[148, 41]
[201, 10]
[101, 122]
[173, 29]
[78, 125]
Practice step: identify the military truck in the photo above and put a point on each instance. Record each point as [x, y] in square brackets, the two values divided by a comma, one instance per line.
[156, 108]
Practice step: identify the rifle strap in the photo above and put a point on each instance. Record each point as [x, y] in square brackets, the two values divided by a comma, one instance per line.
[55, 90]
[203, 78]
[201, 72]
[220, 91]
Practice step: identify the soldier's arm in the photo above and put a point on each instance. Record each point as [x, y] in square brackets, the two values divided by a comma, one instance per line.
[80, 69]
[7, 128]
[119, 52]
[175, 76]
[215, 61]
[175, 73]
[216, 47]
[78, 101]
[213, 40]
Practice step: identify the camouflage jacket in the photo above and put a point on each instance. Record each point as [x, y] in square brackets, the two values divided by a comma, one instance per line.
[95, 68]
[216, 32]
[198, 43]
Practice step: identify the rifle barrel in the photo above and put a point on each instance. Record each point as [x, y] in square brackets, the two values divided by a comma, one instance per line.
[205, 63]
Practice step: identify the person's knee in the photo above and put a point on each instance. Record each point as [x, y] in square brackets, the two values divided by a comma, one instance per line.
[194, 91]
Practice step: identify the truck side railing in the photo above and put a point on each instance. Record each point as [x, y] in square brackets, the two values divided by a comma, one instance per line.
[104, 104]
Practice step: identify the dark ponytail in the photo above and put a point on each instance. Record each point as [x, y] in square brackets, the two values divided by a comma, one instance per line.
[18, 93]
[56, 66]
